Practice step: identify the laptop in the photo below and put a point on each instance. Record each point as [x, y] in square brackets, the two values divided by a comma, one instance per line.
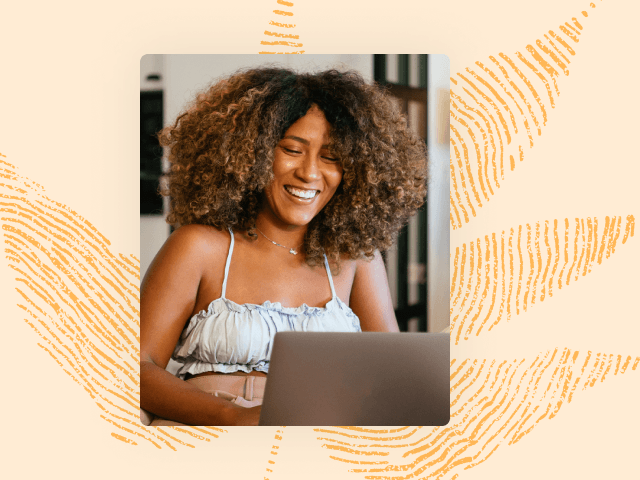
[363, 379]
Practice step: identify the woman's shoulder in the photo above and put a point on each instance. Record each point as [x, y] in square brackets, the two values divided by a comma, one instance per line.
[364, 265]
[361, 259]
[345, 269]
[198, 243]
[188, 253]
[195, 235]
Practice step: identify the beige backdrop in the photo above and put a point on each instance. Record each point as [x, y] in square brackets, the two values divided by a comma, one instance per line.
[544, 106]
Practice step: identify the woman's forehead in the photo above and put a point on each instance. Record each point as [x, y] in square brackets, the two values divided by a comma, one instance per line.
[313, 126]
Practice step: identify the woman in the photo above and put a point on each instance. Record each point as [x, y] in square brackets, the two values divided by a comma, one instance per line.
[285, 187]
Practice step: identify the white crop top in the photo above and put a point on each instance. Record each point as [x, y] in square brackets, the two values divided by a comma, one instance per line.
[228, 337]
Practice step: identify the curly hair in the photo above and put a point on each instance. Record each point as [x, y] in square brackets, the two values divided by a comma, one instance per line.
[222, 151]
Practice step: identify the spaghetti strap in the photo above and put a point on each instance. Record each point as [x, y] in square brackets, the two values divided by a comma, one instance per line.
[226, 267]
[326, 265]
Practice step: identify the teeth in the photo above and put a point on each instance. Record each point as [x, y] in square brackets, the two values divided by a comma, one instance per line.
[301, 193]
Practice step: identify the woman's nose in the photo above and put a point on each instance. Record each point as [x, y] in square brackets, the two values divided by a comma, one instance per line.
[309, 168]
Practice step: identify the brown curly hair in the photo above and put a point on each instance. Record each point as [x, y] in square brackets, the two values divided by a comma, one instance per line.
[222, 151]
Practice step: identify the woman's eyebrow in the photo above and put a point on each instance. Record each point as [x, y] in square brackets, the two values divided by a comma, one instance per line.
[302, 140]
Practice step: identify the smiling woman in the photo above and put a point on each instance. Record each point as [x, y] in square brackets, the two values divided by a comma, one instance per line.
[285, 188]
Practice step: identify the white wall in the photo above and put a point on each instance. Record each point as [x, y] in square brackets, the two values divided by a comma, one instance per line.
[153, 232]
[186, 75]
[438, 194]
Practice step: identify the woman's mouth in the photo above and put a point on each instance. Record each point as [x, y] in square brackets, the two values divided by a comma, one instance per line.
[301, 193]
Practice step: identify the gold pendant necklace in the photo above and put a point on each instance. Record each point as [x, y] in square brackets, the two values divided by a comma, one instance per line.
[292, 251]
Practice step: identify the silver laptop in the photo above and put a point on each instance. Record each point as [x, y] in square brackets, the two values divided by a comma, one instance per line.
[363, 379]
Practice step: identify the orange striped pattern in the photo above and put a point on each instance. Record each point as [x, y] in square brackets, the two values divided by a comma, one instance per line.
[506, 273]
[274, 450]
[493, 403]
[82, 301]
[281, 30]
[498, 107]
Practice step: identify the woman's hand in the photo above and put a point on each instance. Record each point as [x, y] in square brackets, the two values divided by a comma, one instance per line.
[247, 416]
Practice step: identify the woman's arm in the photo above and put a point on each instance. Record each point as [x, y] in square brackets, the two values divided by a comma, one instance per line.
[168, 297]
[370, 297]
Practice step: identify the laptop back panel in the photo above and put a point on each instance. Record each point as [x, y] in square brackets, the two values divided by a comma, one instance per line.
[358, 379]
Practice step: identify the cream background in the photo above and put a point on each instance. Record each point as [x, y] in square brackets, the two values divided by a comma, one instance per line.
[69, 121]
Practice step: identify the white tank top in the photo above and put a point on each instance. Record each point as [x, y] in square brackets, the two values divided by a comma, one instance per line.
[228, 337]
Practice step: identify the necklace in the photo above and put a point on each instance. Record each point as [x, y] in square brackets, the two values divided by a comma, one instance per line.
[292, 251]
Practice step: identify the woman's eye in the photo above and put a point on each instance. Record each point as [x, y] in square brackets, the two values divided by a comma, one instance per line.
[288, 150]
[330, 159]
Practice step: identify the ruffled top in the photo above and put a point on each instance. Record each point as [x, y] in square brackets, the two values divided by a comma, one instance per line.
[228, 337]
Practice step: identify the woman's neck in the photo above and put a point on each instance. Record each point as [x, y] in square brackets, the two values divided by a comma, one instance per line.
[290, 236]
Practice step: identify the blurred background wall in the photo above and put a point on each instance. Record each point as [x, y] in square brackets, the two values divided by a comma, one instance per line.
[418, 264]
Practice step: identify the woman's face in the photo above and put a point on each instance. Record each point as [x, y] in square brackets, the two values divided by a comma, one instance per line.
[306, 174]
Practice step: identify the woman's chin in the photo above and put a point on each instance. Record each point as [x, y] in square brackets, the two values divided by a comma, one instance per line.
[296, 221]
[291, 213]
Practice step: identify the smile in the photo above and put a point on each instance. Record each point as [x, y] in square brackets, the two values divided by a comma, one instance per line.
[301, 193]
